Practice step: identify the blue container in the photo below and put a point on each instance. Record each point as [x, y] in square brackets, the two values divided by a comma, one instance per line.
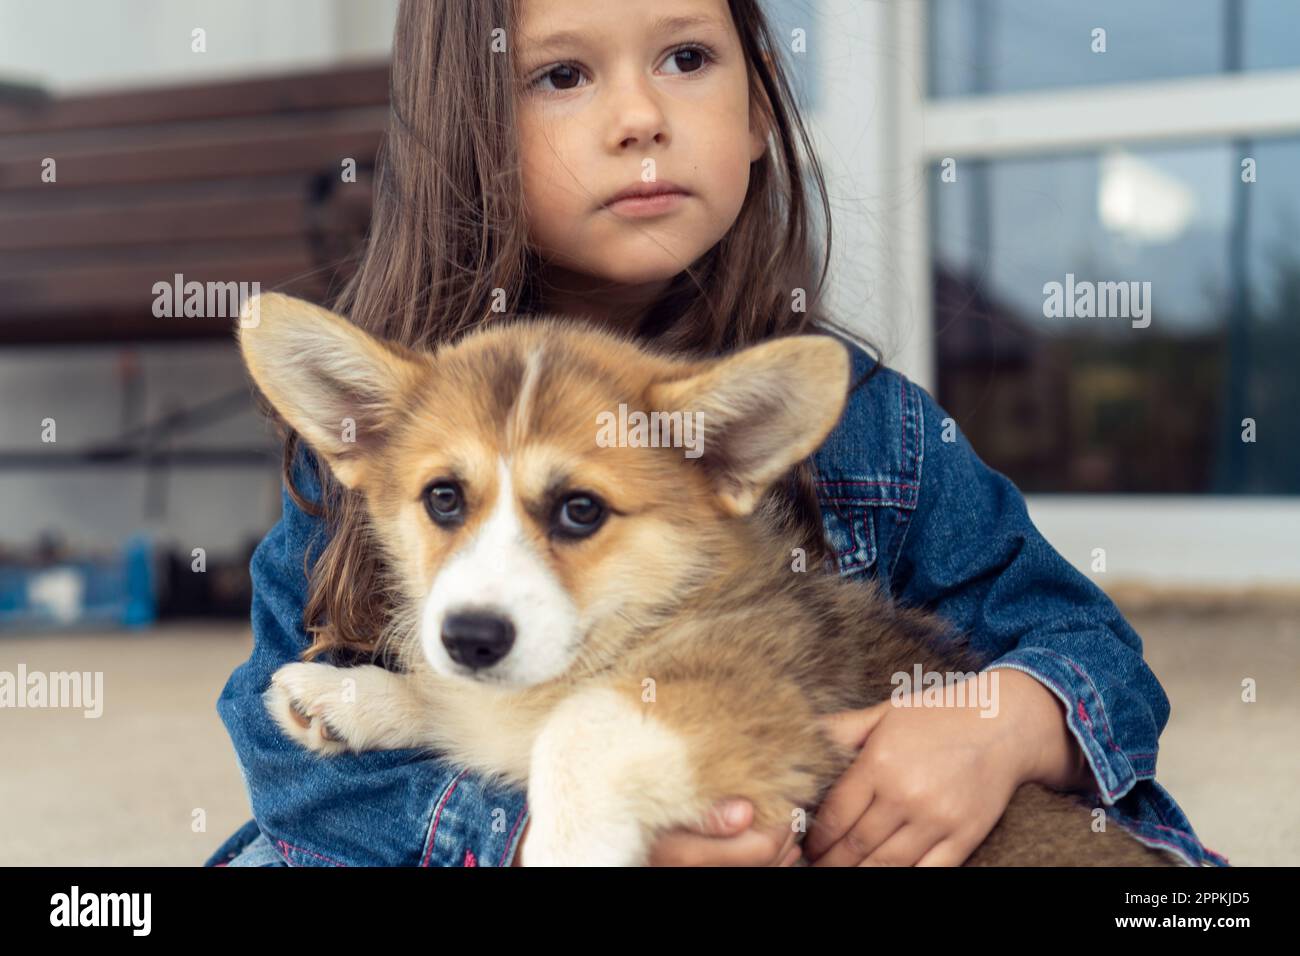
[121, 592]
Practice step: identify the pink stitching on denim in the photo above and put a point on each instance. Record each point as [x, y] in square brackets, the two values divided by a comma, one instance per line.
[1217, 856]
[1160, 826]
[1164, 843]
[469, 858]
[511, 837]
[905, 521]
[859, 501]
[286, 845]
[1104, 718]
[1100, 707]
[438, 816]
[902, 411]
[913, 421]
[900, 484]
[1083, 714]
[854, 535]
[1110, 741]
[1181, 833]
[1110, 791]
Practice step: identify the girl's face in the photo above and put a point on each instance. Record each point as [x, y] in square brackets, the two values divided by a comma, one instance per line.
[628, 93]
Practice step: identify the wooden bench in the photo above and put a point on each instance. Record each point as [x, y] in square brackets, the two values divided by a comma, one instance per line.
[220, 182]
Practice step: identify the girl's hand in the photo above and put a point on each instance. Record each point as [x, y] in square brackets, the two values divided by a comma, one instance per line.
[931, 782]
[724, 840]
[727, 839]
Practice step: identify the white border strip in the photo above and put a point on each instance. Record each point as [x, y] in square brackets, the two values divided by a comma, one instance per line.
[1214, 541]
[909, 213]
[1251, 105]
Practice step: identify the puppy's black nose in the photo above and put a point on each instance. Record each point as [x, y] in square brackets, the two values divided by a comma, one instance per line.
[477, 639]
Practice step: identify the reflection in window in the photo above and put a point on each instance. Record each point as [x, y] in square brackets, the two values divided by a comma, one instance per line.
[1003, 46]
[1105, 322]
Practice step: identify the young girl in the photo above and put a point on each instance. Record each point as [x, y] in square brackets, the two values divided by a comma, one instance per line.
[516, 127]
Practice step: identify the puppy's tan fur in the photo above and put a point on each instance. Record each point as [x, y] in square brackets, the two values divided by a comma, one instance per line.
[698, 661]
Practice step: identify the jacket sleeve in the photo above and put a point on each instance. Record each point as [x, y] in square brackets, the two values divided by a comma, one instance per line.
[972, 554]
[380, 808]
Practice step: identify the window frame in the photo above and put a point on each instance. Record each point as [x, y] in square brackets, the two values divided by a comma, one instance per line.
[1233, 541]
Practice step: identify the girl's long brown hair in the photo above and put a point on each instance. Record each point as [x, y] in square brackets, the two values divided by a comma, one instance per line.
[448, 230]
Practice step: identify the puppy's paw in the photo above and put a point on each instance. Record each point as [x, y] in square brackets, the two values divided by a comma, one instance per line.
[603, 777]
[310, 703]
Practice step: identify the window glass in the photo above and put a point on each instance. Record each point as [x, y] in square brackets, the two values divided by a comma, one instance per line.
[1005, 46]
[1105, 322]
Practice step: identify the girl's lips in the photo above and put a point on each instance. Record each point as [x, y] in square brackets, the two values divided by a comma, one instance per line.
[641, 206]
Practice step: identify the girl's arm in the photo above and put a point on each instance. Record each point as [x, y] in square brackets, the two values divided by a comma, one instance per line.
[969, 551]
[380, 808]
[1054, 757]
[1076, 706]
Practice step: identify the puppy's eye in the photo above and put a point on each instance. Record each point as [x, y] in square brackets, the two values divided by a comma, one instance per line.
[444, 502]
[579, 515]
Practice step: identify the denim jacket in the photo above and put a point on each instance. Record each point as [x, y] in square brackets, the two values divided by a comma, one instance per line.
[901, 504]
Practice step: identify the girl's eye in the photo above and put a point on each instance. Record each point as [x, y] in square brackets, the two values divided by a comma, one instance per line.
[690, 59]
[444, 502]
[562, 75]
[579, 515]
[686, 59]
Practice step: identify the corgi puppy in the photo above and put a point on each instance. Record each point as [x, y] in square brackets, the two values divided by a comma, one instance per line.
[613, 625]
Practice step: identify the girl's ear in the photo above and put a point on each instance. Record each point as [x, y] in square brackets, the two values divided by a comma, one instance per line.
[337, 386]
[760, 411]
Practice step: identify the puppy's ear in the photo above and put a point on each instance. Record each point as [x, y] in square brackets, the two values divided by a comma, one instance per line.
[762, 410]
[337, 386]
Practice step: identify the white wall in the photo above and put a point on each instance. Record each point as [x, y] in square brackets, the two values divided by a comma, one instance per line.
[82, 390]
[854, 130]
[87, 45]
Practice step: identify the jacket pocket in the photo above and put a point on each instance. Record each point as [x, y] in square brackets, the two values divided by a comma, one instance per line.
[851, 533]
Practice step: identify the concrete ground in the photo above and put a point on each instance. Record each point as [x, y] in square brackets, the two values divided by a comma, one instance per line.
[123, 789]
